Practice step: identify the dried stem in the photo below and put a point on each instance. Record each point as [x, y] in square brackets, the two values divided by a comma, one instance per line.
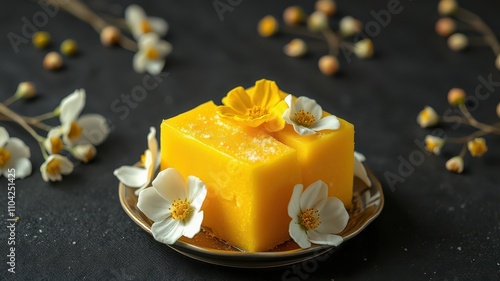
[476, 22]
[18, 119]
[333, 41]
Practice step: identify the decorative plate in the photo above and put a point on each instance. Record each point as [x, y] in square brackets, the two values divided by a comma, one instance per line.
[367, 205]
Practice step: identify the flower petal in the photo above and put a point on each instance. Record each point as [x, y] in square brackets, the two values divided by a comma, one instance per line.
[333, 216]
[324, 238]
[237, 100]
[194, 225]
[301, 130]
[4, 136]
[152, 142]
[134, 14]
[153, 205]
[22, 166]
[330, 122]
[140, 62]
[308, 105]
[167, 231]
[359, 156]
[155, 67]
[170, 185]
[148, 40]
[298, 235]
[159, 25]
[294, 203]
[313, 194]
[17, 149]
[360, 171]
[95, 129]
[71, 106]
[265, 93]
[66, 165]
[197, 192]
[131, 176]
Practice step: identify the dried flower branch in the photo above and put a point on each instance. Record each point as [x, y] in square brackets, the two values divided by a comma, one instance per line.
[474, 143]
[318, 28]
[455, 16]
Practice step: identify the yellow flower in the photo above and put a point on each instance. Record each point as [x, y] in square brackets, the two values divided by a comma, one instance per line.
[427, 117]
[477, 147]
[268, 26]
[262, 104]
[433, 144]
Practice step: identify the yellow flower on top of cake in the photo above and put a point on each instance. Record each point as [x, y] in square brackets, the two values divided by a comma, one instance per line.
[261, 105]
[316, 218]
[305, 115]
[173, 205]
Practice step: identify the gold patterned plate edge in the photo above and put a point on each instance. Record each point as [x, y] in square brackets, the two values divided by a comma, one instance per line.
[367, 205]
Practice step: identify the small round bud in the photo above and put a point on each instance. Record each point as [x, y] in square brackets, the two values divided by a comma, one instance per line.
[69, 47]
[477, 147]
[445, 27]
[349, 26]
[317, 21]
[328, 7]
[328, 65]
[268, 26]
[498, 110]
[110, 36]
[25, 90]
[41, 39]
[52, 61]
[447, 7]
[458, 42]
[293, 15]
[455, 164]
[296, 48]
[364, 49]
[497, 62]
[456, 96]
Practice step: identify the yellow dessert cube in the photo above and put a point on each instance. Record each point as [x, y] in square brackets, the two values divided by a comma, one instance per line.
[249, 175]
[327, 155]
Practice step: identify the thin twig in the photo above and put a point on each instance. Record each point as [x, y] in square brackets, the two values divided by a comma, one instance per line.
[17, 118]
[478, 23]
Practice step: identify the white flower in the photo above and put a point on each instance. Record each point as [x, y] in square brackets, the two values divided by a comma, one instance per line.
[359, 169]
[140, 177]
[364, 49]
[316, 217]
[349, 26]
[85, 129]
[151, 54]
[14, 154]
[305, 114]
[140, 24]
[55, 166]
[455, 164]
[84, 152]
[173, 205]
[427, 117]
[53, 143]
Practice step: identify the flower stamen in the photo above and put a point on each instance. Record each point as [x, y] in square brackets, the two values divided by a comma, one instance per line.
[4, 156]
[146, 26]
[304, 118]
[180, 209]
[54, 167]
[74, 131]
[56, 145]
[310, 219]
[256, 112]
[152, 53]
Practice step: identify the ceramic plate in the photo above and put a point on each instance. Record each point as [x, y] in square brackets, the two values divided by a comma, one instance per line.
[367, 205]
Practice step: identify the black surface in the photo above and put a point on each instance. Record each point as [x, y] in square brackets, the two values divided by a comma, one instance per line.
[435, 226]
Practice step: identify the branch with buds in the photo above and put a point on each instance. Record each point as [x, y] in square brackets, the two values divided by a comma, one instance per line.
[454, 18]
[316, 26]
[474, 143]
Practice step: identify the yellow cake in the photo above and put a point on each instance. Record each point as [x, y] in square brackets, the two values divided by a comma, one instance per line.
[250, 173]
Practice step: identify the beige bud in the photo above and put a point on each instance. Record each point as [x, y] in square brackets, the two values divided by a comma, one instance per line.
[293, 15]
[445, 27]
[52, 61]
[110, 36]
[296, 48]
[26, 90]
[458, 42]
[328, 7]
[328, 65]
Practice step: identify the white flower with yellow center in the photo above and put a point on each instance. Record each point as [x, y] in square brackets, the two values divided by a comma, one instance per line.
[140, 177]
[305, 115]
[434, 144]
[141, 24]
[427, 117]
[14, 154]
[84, 152]
[54, 143]
[76, 129]
[173, 205]
[151, 54]
[55, 166]
[316, 218]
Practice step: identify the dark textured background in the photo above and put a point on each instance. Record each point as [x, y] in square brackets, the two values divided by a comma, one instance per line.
[435, 225]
